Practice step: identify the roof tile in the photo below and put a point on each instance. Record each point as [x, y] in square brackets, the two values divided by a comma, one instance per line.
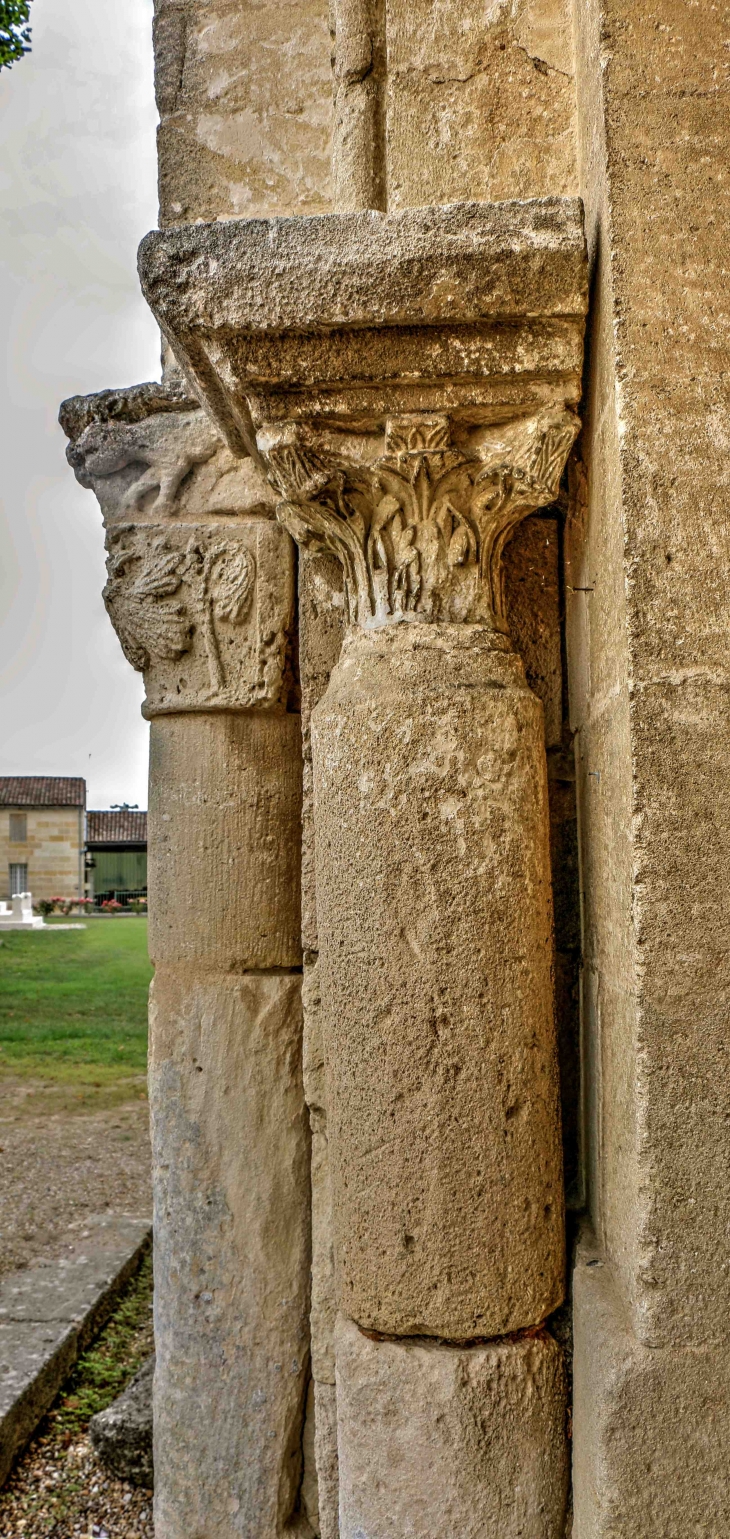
[42, 791]
[120, 827]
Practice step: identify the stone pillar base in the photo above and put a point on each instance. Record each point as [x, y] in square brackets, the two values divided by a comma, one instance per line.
[651, 1424]
[450, 1442]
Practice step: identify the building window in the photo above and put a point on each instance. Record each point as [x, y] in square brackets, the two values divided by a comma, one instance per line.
[18, 880]
[18, 827]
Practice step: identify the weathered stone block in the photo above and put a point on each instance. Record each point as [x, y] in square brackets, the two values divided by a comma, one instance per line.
[497, 259]
[442, 1442]
[231, 1152]
[480, 101]
[122, 1434]
[245, 99]
[651, 1425]
[440, 1051]
[224, 830]
[470, 308]
[34, 1361]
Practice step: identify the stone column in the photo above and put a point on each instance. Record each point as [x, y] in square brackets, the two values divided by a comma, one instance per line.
[435, 933]
[406, 384]
[358, 140]
[201, 593]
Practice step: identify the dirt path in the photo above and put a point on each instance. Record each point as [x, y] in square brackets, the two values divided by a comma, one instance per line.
[65, 1154]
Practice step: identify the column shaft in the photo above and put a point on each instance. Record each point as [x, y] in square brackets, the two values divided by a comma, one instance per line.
[435, 919]
[358, 144]
[230, 1134]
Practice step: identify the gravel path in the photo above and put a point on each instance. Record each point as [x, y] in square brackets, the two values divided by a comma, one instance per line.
[65, 1155]
[97, 1507]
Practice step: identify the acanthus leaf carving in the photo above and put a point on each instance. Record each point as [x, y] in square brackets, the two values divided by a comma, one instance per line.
[420, 529]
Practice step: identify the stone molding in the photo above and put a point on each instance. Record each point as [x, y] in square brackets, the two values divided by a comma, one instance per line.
[200, 585]
[407, 382]
[344, 320]
[420, 529]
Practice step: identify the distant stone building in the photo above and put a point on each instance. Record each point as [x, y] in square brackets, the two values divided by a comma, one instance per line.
[42, 820]
[116, 845]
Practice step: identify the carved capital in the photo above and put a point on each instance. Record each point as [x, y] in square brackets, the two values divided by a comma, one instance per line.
[200, 583]
[406, 379]
[419, 519]
[205, 612]
[148, 457]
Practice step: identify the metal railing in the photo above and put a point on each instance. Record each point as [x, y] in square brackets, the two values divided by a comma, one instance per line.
[126, 897]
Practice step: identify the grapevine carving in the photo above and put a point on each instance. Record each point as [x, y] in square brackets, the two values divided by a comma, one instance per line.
[208, 583]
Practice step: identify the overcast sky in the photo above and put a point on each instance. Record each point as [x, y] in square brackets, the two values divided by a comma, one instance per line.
[77, 193]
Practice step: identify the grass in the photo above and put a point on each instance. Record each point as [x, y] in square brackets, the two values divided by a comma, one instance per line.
[73, 1007]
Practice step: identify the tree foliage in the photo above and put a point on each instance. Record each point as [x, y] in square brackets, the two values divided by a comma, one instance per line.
[14, 31]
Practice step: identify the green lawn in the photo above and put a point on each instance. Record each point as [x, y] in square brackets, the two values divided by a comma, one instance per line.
[73, 1007]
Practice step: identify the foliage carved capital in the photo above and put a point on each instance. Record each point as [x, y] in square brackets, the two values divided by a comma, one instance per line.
[200, 585]
[419, 519]
[204, 612]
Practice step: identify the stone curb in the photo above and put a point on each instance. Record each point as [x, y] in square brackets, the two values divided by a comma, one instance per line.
[48, 1315]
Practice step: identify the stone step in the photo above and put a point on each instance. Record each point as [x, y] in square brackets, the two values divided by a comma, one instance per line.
[50, 1312]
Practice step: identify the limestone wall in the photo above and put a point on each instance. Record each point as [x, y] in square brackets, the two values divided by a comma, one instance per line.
[648, 557]
[52, 851]
[245, 99]
[480, 101]
[472, 102]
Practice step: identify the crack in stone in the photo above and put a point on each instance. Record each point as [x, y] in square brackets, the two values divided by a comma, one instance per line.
[542, 64]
